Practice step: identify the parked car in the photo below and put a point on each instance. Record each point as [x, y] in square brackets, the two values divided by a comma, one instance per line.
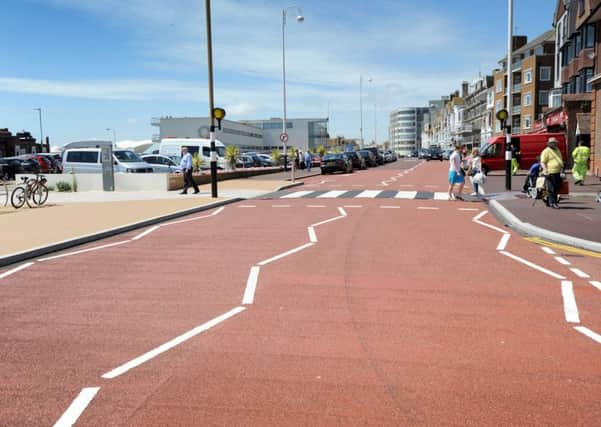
[377, 153]
[388, 157]
[44, 163]
[245, 161]
[87, 160]
[266, 160]
[434, 154]
[357, 161]
[336, 163]
[446, 154]
[10, 166]
[315, 160]
[369, 157]
[161, 164]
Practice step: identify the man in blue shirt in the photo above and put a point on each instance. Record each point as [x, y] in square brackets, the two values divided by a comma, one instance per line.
[308, 160]
[533, 173]
[186, 165]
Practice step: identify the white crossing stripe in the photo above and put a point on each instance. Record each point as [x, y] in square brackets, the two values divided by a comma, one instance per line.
[296, 195]
[368, 194]
[441, 196]
[406, 195]
[331, 194]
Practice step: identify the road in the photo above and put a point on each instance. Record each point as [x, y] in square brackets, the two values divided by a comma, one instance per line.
[364, 300]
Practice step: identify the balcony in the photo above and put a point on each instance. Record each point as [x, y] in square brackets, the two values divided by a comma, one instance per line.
[516, 109]
[155, 121]
[517, 87]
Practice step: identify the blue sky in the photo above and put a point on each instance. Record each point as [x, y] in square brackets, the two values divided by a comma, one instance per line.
[92, 65]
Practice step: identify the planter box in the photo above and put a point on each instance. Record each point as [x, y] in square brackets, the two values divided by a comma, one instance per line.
[176, 181]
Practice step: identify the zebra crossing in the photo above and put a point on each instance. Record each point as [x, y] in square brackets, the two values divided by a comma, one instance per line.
[360, 194]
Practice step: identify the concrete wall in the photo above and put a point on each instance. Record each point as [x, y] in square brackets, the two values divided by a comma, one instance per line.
[123, 181]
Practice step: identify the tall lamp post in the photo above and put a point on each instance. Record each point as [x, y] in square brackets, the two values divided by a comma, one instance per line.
[509, 95]
[39, 110]
[299, 18]
[211, 100]
[369, 79]
[114, 135]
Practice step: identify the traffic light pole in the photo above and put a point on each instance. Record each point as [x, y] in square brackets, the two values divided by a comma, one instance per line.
[509, 96]
[211, 101]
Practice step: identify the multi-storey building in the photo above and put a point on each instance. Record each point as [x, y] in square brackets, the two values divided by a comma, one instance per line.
[20, 143]
[577, 41]
[476, 113]
[532, 82]
[405, 129]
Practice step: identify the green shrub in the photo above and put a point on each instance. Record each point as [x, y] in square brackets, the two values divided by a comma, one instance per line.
[63, 186]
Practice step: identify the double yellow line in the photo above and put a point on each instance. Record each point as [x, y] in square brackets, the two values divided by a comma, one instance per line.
[565, 248]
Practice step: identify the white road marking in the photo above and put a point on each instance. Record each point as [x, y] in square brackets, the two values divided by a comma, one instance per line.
[285, 254]
[77, 407]
[316, 206]
[441, 196]
[392, 178]
[312, 235]
[390, 207]
[469, 209]
[548, 250]
[385, 183]
[407, 185]
[532, 265]
[356, 185]
[217, 212]
[562, 261]
[596, 284]
[331, 194]
[14, 270]
[296, 195]
[95, 248]
[247, 206]
[427, 208]
[147, 232]
[251, 285]
[353, 206]
[280, 206]
[580, 273]
[342, 212]
[503, 242]
[410, 195]
[586, 331]
[569, 302]
[171, 344]
[368, 194]
[477, 218]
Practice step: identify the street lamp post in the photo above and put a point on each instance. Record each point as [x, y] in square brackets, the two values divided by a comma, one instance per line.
[39, 110]
[509, 96]
[211, 100]
[299, 18]
[369, 79]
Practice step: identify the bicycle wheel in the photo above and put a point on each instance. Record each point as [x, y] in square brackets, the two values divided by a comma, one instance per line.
[40, 195]
[17, 198]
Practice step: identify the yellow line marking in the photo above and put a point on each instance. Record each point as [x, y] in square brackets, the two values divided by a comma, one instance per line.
[566, 248]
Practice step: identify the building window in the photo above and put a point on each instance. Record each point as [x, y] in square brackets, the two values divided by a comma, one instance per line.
[527, 99]
[577, 44]
[587, 74]
[571, 49]
[589, 36]
[543, 98]
[527, 122]
[539, 51]
[528, 76]
[499, 86]
[580, 7]
[498, 106]
[545, 74]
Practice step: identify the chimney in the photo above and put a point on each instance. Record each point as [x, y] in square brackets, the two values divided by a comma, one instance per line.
[519, 41]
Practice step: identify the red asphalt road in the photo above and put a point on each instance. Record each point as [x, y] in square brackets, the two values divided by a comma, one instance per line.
[401, 316]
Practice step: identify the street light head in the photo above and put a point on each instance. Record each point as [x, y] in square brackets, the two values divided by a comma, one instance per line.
[300, 18]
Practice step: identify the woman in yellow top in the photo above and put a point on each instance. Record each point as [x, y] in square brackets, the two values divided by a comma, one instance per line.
[581, 155]
[552, 163]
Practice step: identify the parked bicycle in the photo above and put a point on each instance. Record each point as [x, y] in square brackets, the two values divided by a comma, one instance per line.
[32, 191]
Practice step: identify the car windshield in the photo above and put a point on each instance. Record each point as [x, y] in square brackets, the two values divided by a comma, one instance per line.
[332, 156]
[126, 156]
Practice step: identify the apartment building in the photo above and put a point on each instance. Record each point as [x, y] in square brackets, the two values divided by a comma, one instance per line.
[477, 116]
[532, 75]
[405, 129]
[577, 76]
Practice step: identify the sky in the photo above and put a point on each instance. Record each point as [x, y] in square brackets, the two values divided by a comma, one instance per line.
[93, 65]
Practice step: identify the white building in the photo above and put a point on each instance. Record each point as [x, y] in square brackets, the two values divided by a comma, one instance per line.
[405, 129]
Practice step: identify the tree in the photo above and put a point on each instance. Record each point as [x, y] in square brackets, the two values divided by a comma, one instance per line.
[197, 162]
[232, 153]
[321, 150]
[275, 155]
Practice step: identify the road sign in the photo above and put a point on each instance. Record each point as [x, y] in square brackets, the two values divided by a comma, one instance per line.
[284, 137]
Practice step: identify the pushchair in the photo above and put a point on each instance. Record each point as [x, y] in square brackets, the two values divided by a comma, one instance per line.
[540, 190]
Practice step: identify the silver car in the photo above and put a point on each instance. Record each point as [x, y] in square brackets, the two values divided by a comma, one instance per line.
[161, 164]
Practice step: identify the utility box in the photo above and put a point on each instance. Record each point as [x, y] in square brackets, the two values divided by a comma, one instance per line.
[108, 176]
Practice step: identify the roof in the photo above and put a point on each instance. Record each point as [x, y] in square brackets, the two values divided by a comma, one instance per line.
[547, 36]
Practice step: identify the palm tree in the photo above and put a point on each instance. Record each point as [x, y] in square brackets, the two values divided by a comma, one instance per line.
[232, 153]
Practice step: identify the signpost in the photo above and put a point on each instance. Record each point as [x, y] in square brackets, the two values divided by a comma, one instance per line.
[284, 140]
[502, 116]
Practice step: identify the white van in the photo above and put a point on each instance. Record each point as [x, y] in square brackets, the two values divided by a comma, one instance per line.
[87, 160]
[172, 148]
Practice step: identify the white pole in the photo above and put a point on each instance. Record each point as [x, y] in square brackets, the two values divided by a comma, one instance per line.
[285, 148]
[361, 109]
[509, 95]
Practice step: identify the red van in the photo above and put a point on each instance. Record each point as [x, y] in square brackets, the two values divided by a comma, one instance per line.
[529, 145]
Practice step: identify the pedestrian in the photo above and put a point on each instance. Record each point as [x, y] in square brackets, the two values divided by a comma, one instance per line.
[456, 174]
[308, 159]
[475, 173]
[186, 165]
[532, 175]
[515, 159]
[552, 163]
[581, 156]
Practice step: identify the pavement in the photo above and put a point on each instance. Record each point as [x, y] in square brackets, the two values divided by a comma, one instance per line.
[577, 223]
[322, 311]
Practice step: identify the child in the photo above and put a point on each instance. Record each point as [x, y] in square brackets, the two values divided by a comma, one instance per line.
[533, 173]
